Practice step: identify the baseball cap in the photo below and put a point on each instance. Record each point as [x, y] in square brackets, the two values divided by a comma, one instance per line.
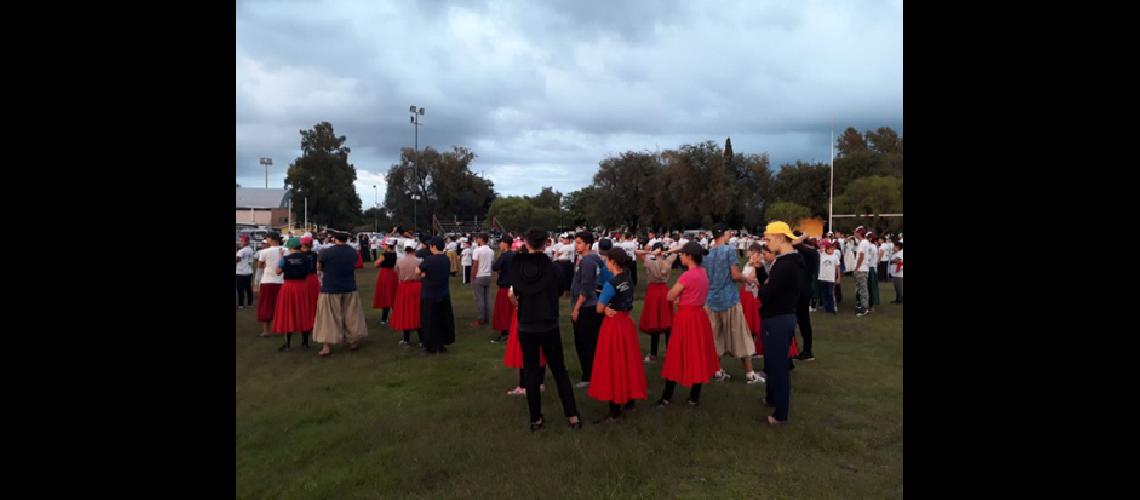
[779, 227]
[294, 243]
[307, 240]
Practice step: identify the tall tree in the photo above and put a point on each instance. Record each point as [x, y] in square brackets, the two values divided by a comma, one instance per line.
[728, 148]
[805, 184]
[850, 141]
[624, 189]
[788, 212]
[323, 175]
[577, 206]
[872, 196]
[444, 182]
[547, 198]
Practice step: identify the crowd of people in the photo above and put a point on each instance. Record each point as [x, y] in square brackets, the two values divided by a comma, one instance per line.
[714, 308]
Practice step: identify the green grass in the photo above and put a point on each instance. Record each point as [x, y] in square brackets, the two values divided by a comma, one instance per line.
[385, 422]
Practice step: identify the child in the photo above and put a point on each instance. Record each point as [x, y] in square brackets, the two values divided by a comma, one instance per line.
[406, 315]
[828, 276]
[750, 289]
[504, 308]
[618, 375]
[656, 312]
[294, 309]
[690, 358]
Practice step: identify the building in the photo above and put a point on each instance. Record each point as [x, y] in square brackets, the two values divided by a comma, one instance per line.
[264, 207]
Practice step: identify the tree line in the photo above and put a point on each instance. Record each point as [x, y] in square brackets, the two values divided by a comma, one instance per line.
[691, 186]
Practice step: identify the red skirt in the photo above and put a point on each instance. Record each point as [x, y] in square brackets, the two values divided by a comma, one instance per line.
[513, 357]
[406, 309]
[656, 311]
[294, 311]
[386, 284]
[267, 300]
[618, 374]
[793, 350]
[690, 357]
[504, 311]
[314, 290]
[751, 306]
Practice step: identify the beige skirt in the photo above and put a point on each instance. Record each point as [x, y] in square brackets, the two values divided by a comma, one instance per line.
[339, 315]
[730, 332]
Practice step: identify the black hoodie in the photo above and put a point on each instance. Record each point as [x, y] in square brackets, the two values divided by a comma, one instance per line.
[536, 280]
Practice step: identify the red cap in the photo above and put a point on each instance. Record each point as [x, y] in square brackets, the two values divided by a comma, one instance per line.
[245, 239]
[307, 240]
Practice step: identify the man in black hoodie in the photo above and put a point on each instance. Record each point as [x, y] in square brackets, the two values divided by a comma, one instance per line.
[535, 281]
[803, 307]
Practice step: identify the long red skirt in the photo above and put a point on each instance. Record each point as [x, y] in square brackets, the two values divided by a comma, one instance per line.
[267, 300]
[406, 309]
[504, 311]
[618, 374]
[656, 311]
[294, 311]
[314, 290]
[751, 306]
[513, 357]
[690, 357]
[386, 284]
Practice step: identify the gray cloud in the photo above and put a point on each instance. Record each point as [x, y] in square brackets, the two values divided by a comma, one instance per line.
[542, 91]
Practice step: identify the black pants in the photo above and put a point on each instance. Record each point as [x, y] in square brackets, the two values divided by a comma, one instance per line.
[694, 392]
[838, 295]
[551, 344]
[777, 332]
[882, 271]
[437, 324]
[466, 274]
[244, 285]
[803, 318]
[586, 338]
[366, 254]
[633, 273]
[655, 338]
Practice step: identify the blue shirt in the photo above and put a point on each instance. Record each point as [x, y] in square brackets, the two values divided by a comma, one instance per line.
[338, 262]
[723, 292]
[586, 280]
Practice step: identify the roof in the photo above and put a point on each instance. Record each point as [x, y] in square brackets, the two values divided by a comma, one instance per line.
[262, 198]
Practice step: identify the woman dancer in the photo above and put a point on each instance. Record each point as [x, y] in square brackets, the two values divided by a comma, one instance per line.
[690, 358]
[294, 309]
[406, 307]
[386, 282]
[618, 375]
[656, 312]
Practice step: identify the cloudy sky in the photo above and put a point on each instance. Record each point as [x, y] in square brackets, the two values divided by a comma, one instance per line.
[543, 90]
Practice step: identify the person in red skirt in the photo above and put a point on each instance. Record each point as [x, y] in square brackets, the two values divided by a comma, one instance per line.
[656, 312]
[312, 279]
[754, 274]
[406, 307]
[294, 309]
[271, 282]
[504, 308]
[386, 282]
[513, 356]
[691, 358]
[618, 374]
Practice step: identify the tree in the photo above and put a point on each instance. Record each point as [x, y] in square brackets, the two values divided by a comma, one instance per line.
[788, 212]
[323, 175]
[624, 189]
[514, 213]
[698, 188]
[444, 182]
[850, 141]
[577, 206]
[548, 198]
[805, 184]
[728, 148]
[873, 195]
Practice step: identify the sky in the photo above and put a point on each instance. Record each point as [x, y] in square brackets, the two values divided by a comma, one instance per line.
[542, 91]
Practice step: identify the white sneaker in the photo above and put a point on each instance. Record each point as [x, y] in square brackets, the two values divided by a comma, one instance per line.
[721, 376]
[755, 378]
[582, 385]
[649, 358]
[403, 343]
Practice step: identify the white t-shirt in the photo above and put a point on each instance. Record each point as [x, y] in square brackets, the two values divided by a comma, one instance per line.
[873, 256]
[452, 247]
[270, 256]
[564, 252]
[891, 266]
[243, 265]
[652, 241]
[864, 248]
[734, 241]
[594, 247]
[828, 265]
[749, 272]
[486, 258]
[885, 251]
[705, 243]
[630, 247]
[465, 256]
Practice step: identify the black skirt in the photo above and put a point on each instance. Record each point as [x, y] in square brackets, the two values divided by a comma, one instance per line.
[437, 324]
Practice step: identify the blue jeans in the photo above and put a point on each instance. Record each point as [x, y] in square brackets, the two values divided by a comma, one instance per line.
[778, 331]
[827, 294]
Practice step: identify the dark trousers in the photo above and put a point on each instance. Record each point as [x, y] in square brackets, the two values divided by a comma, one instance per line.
[244, 286]
[551, 344]
[466, 274]
[655, 338]
[803, 318]
[437, 324]
[670, 386]
[882, 268]
[778, 331]
[366, 254]
[586, 338]
[633, 273]
[838, 295]
[898, 289]
[827, 295]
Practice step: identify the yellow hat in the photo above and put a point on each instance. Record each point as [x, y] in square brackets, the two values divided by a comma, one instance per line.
[779, 227]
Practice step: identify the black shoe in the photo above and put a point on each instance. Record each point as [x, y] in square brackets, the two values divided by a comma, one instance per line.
[283, 348]
[806, 356]
[608, 419]
[534, 426]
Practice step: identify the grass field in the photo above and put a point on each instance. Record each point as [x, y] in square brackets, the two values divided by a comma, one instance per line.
[385, 422]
